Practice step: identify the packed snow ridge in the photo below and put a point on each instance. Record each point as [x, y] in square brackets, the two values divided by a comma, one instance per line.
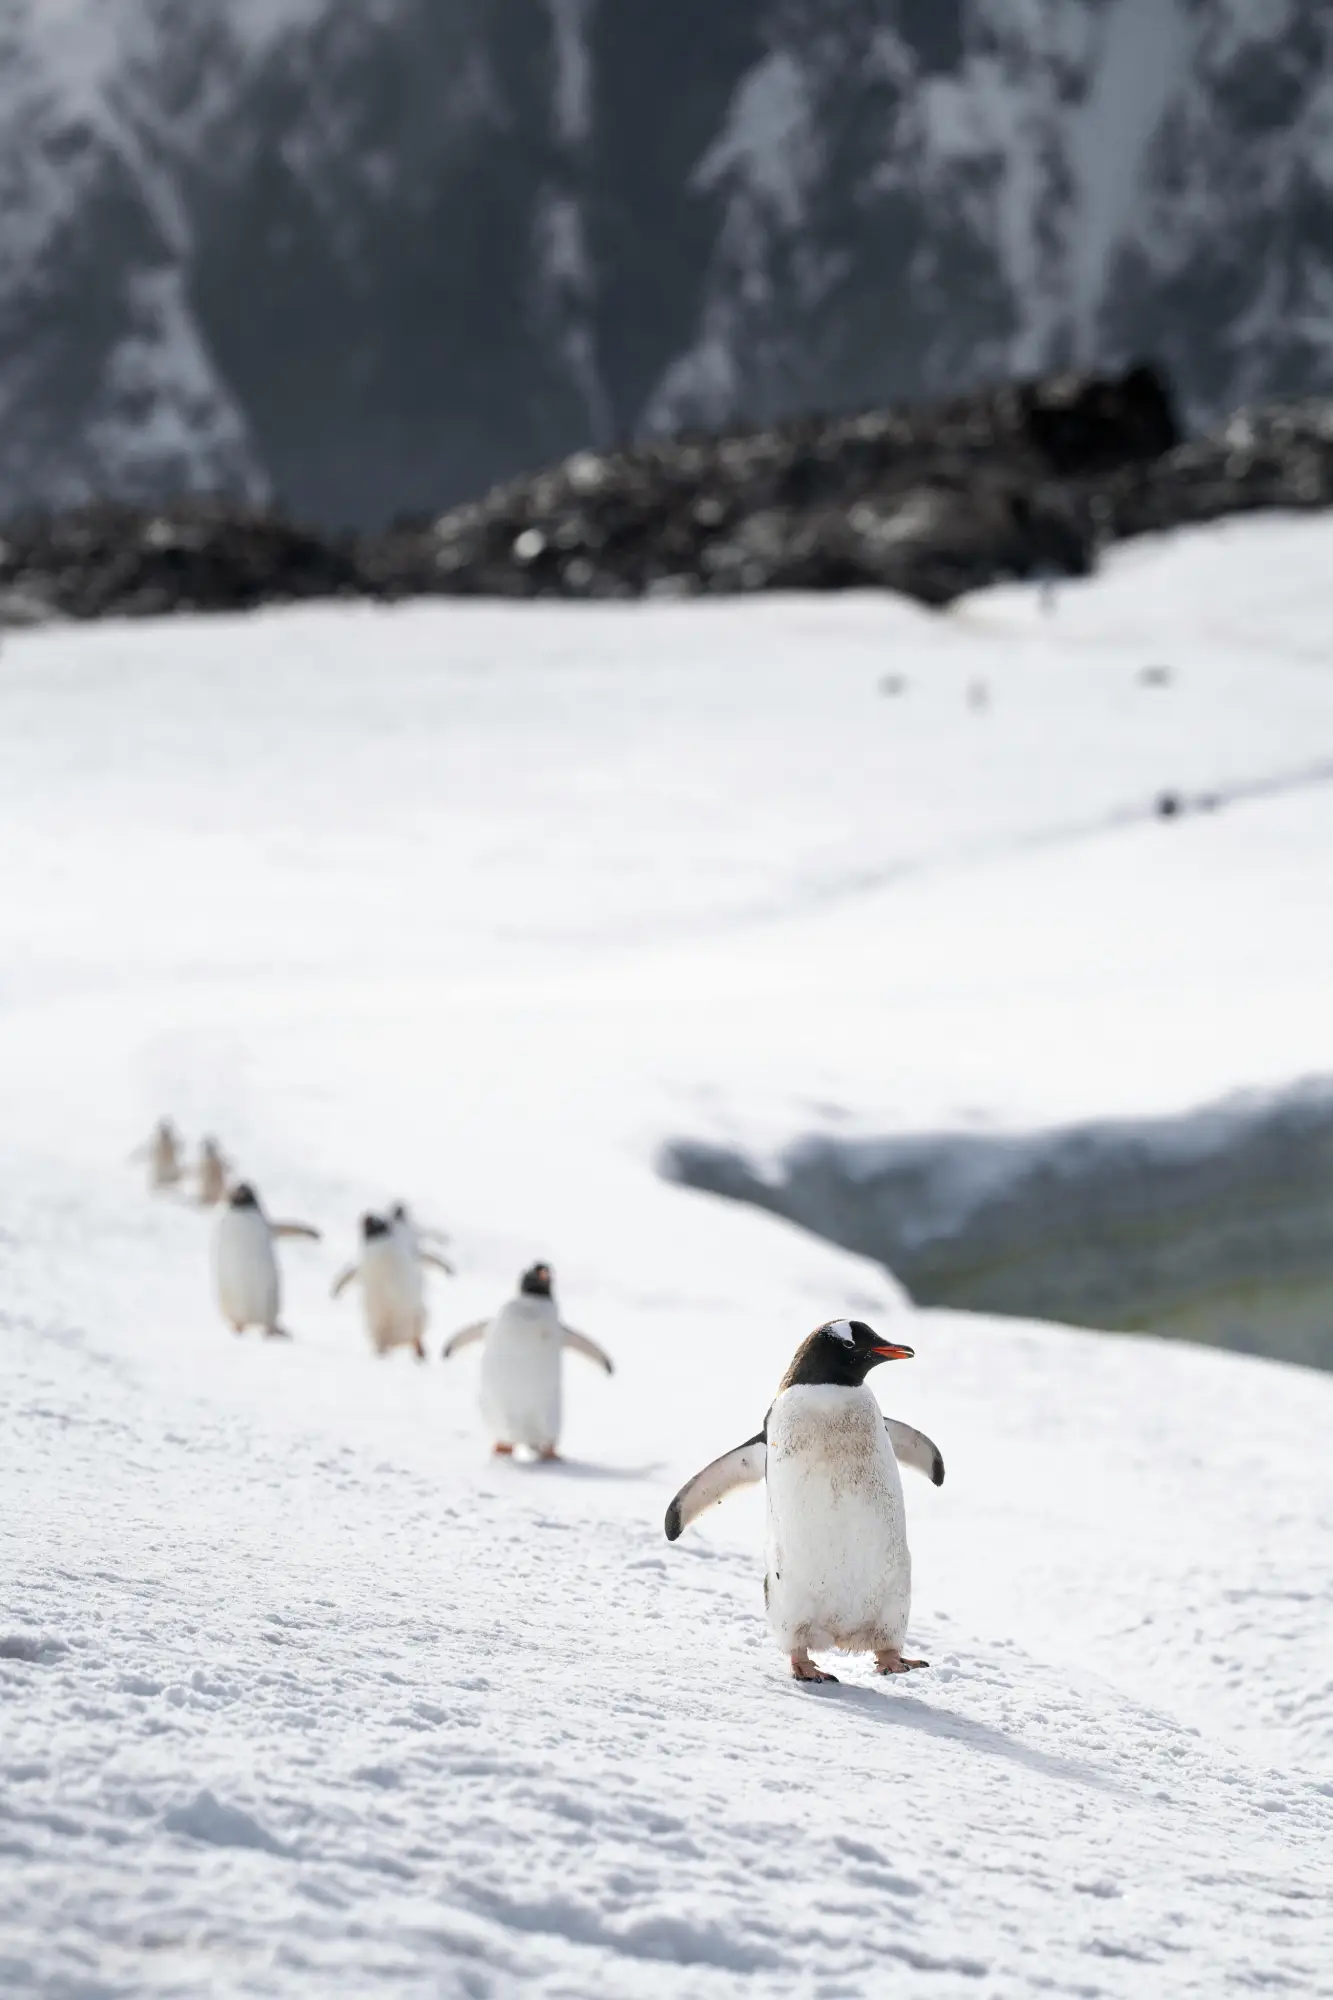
[304, 1693]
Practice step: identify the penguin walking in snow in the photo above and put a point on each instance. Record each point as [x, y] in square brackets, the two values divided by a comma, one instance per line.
[839, 1571]
[393, 1291]
[162, 1151]
[521, 1366]
[245, 1265]
[421, 1239]
[214, 1173]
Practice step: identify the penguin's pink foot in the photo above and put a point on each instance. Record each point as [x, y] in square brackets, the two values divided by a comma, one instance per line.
[548, 1455]
[420, 1349]
[888, 1660]
[502, 1451]
[803, 1668]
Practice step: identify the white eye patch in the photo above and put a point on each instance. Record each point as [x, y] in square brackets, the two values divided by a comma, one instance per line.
[841, 1329]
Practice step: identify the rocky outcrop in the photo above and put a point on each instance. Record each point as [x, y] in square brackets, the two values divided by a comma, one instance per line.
[931, 502]
[1025, 481]
[98, 562]
[1275, 455]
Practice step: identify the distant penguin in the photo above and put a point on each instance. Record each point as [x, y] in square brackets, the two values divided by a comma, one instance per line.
[392, 1289]
[401, 1218]
[162, 1151]
[520, 1366]
[214, 1172]
[839, 1571]
[245, 1265]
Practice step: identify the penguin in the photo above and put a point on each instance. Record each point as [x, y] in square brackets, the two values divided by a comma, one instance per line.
[392, 1292]
[402, 1220]
[839, 1573]
[520, 1366]
[214, 1169]
[162, 1151]
[245, 1268]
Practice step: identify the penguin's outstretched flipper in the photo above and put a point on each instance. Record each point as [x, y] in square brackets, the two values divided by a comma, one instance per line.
[465, 1337]
[307, 1230]
[742, 1467]
[582, 1345]
[343, 1280]
[437, 1263]
[914, 1448]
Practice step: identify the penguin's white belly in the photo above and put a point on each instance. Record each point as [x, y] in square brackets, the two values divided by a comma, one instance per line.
[839, 1572]
[246, 1269]
[393, 1296]
[520, 1377]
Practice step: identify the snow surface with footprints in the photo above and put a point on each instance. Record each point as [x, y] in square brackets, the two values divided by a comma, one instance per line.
[300, 1692]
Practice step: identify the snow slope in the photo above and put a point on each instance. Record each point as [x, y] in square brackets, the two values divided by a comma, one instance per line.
[299, 1692]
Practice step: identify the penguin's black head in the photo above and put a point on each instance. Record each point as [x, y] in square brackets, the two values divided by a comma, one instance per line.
[373, 1226]
[536, 1282]
[842, 1352]
[244, 1196]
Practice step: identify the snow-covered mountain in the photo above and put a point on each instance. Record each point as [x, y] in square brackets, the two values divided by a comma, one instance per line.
[370, 258]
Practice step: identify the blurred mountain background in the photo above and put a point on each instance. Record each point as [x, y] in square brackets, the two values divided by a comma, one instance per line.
[368, 256]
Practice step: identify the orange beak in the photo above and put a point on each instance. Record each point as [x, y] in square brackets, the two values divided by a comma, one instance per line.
[888, 1353]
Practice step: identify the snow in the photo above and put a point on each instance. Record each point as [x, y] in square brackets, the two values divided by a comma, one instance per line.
[1145, 53]
[164, 413]
[767, 139]
[300, 1692]
[572, 95]
[564, 286]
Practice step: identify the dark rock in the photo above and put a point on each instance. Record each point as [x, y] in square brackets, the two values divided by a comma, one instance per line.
[931, 502]
[1278, 455]
[1023, 481]
[195, 556]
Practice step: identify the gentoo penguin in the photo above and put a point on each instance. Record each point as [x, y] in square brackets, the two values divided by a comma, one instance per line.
[245, 1268]
[163, 1154]
[839, 1571]
[213, 1170]
[520, 1366]
[402, 1219]
[393, 1295]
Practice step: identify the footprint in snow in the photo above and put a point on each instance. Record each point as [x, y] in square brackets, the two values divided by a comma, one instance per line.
[207, 1819]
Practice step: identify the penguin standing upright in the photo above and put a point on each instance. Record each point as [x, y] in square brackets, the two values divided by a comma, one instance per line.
[393, 1294]
[401, 1218]
[245, 1266]
[162, 1151]
[520, 1366]
[839, 1571]
[213, 1170]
